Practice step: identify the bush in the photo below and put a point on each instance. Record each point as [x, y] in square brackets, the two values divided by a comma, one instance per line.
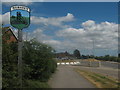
[34, 84]
[9, 65]
[38, 61]
[108, 58]
[38, 64]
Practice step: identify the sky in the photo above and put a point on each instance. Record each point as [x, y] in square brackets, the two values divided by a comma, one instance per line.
[24, 13]
[67, 26]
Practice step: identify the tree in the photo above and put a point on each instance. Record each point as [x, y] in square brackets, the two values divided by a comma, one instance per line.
[77, 54]
[9, 65]
[38, 61]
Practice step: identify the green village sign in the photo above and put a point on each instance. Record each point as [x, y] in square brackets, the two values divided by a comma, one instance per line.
[20, 17]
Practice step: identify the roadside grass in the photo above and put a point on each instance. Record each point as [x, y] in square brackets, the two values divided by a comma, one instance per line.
[35, 84]
[99, 80]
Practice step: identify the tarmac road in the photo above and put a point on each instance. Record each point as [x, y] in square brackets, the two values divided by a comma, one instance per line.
[101, 70]
[66, 77]
[109, 64]
[107, 68]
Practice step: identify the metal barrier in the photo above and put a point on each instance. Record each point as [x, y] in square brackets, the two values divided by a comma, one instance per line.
[82, 63]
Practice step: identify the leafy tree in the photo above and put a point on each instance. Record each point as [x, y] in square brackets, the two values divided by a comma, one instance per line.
[77, 53]
[9, 62]
[9, 65]
[38, 61]
[108, 58]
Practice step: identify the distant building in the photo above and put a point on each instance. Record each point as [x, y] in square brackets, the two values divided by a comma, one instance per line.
[8, 36]
[64, 56]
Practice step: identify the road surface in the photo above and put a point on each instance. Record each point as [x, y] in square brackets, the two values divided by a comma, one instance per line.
[101, 70]
[109, 64]
[66, 77]
[107, 68]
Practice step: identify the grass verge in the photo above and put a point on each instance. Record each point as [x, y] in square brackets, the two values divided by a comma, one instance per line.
[35, 84]
[99, 80]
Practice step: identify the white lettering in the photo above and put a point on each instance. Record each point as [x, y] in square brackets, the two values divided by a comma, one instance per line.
[20, 8]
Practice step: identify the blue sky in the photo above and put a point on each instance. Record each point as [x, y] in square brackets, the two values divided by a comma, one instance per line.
[83, 11]
[99, 11]
[24, 13]
[51, 20]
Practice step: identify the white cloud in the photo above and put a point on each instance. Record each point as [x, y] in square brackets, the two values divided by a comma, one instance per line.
[19, 2]
[16, 2]
[105, 35]
[58, 21]
[5, 18]
[88, 23]
[70, 32]
[54, 43]
[38, 34]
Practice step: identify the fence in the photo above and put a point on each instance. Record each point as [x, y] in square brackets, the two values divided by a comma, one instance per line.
[82, 63]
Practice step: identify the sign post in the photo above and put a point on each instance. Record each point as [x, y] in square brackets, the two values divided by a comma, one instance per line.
[20, 45]
[20, 18]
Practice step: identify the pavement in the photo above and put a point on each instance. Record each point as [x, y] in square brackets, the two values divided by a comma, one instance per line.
[66, 77]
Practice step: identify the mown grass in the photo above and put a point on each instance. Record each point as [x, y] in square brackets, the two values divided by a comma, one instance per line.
[99, 80]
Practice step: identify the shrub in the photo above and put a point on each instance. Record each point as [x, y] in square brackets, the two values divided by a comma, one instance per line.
[38, 61]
